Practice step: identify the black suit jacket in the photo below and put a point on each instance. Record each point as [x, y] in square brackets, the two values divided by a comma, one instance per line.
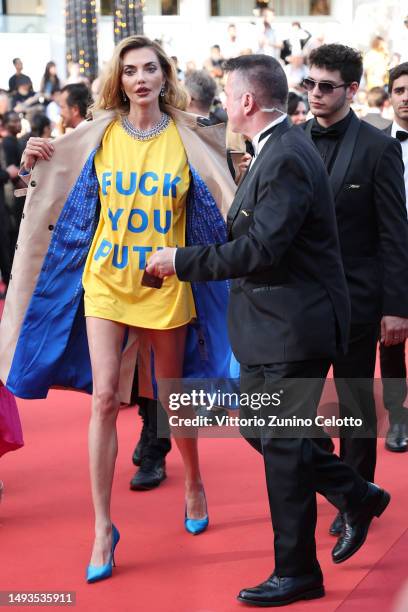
[367, 179]
[289, 300]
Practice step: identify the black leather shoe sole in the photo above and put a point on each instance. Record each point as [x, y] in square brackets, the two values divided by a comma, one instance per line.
[381, 506]
[312, 594]
[146, 486]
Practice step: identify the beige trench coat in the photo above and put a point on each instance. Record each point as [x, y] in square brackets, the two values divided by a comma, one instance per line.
[48, 188]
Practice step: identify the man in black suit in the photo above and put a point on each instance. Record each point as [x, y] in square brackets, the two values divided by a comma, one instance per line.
[367, 179]
[288, 316]
[392, 358]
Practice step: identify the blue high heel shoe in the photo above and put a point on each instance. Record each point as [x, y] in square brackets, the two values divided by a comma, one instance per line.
[195, 526]
[100, 572]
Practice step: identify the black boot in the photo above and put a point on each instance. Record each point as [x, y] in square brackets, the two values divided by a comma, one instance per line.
[150, 474]
[397, 438]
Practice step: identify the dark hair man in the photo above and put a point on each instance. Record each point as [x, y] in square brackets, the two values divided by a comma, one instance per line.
[288, 316]
[74, 101]
[19, 78]
[392, 358]
[367, 180]
[376, 98]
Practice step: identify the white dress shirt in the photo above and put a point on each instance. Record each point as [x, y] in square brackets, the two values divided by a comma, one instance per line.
[259, 145]
[394, 129]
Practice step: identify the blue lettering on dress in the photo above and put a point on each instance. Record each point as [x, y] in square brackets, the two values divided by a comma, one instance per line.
[156, 221]
[168, 184]
[142, 255]
[144, 221]
[119, 183]
[142, 184]
[105, 182]
[103, 250]
[125, 257]
[114, 218]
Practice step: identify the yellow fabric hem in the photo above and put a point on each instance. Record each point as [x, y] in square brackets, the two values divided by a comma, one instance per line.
[98, 315]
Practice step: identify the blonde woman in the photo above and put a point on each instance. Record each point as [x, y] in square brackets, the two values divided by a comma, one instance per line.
[152, 164]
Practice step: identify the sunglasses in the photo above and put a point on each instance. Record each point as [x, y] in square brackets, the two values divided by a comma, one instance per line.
[324, 86]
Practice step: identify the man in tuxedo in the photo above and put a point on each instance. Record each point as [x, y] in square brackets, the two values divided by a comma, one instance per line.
[288, 317]
[367, 180]
[392, 358]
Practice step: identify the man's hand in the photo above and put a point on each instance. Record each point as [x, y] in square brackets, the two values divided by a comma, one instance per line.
[161, 263]
[394, 330]
[37, 148]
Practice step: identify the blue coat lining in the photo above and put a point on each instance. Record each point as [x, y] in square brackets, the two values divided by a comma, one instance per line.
[52, 348]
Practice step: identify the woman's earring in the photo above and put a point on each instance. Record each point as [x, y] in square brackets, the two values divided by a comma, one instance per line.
[124, 96]
[162, 91]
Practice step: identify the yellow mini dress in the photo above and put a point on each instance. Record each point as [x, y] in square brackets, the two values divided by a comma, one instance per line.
[143, 189]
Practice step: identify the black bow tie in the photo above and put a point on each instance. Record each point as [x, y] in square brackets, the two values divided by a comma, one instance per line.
[318, 132]
[401, 135]
[249, 147]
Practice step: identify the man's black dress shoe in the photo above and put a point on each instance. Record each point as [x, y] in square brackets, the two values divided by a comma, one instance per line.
[356, 523]
[280, 591]
[150, 474]
[397, 438]
[337, 525]
[137, 454]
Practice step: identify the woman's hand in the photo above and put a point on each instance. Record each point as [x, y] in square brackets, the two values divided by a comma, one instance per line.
[37, 148]
[242, 167]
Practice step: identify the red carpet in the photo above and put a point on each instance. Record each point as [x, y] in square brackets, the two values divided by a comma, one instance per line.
[46, 525]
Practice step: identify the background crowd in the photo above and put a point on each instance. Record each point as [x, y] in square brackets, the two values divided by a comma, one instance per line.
[61, 102]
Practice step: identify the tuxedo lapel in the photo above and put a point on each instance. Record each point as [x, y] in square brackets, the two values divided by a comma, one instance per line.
[250, 175]
[344, 155]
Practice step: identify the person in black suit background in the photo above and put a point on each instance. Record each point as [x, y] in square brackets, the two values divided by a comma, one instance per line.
[392, 358]
[367, 179]
[288, 316]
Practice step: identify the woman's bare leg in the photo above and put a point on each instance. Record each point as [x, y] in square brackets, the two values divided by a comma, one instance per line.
[105, 339]
[168, 346]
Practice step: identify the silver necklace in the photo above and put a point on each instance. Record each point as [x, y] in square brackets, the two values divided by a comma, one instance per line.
[138, 134]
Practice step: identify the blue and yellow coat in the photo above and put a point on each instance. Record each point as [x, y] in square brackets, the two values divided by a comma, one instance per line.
[43, 340]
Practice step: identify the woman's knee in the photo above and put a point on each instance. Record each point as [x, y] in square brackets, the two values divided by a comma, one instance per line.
[106, 402]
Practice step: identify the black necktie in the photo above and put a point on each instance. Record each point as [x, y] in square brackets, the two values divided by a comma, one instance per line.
[401, 135]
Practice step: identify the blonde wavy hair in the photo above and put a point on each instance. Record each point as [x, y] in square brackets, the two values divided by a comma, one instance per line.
[111, 98]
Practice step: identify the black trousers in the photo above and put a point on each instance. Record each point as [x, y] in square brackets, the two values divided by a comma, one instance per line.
[152, 446]
[394, 380]
[354, 379]
[296, 468]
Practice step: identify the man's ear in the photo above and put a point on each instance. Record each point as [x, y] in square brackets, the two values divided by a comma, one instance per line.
[248, 102]
[353, 88]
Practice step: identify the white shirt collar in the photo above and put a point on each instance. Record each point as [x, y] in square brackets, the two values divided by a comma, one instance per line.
[397, 128]
[255, 141]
